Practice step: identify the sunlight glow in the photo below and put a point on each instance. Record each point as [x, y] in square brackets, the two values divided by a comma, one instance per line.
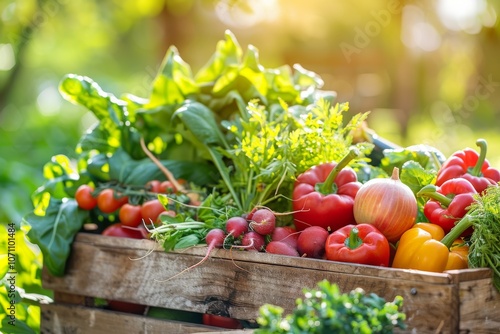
[466, 15]
[49, 101]
[7, 58]
[246, 13]
[417, 33]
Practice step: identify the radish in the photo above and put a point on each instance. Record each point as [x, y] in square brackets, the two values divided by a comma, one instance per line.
[311, 242]
[279, 247]
[215, 239]
[286, 234]
[263, 221]
[253, 241]
[236, 226]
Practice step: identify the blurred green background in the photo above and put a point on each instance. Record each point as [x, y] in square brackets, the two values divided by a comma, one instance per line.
[427, 70]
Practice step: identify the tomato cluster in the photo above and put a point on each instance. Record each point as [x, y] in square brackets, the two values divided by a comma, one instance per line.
[130, 214]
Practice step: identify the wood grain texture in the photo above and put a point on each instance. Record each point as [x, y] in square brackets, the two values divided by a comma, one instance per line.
[236, 283]
[74, 319]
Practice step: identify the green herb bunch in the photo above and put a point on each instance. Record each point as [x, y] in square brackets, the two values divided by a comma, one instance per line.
[327, 310]
[271, 146]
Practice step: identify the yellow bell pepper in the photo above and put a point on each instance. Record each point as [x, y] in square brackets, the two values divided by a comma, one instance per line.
[420, 248]
[458, 258]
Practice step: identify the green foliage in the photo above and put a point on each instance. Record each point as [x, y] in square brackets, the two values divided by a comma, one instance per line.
[55, 230]
[484, 247]
[428, 157]
[327, 310]
[416, 177]
[184, 231]
[20, 283]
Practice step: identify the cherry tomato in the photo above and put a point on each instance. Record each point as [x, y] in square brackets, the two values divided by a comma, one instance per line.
[127, 307]
[130, 215]
[221, 321]
[154, 186]
[84, 197]
[167, 187]
[117, 230]
[150, 210]
[108, 202]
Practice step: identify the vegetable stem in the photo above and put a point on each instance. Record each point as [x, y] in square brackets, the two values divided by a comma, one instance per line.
[483, 146]
[326, 187]
[431, 192]
[353, 241]
[464, 223]
[164, 169]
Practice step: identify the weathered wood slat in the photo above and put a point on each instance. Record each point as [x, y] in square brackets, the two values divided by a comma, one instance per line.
[74, 319]
[147, 246]
[237, 283]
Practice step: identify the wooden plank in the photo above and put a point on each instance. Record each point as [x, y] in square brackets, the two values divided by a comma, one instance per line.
[479, 307]
[238, 288]
[147, 246]
[75, 319]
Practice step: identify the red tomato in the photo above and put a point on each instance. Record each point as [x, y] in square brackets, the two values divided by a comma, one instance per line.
[117, 230]
[84, 197]
[120, 306]
[167, 187]
[108, 201]
[130, 215]
[150, 210]
[221, 321]
[153, 186]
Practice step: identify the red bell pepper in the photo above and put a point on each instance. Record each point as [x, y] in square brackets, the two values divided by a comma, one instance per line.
[448, 203]
[324, 195]
[362, 243]
[471, 166]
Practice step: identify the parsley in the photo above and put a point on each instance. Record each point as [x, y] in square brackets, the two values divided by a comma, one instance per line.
[327, 310]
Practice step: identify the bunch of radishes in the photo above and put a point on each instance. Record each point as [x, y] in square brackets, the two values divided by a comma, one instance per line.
[258, 232]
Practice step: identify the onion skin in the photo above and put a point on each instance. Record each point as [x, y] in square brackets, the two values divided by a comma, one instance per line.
[388, 204]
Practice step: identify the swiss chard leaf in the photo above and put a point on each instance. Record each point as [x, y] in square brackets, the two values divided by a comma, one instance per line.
[61, 178]
[428, 157]
[84, 91]
[200, 123]
[416, 177]
[137, 172]
[174, 81]
[115, 120]
[54, 231]
[227, 55]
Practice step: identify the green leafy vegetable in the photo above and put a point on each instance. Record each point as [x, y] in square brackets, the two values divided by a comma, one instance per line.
[416, 177]
[427, 156]
[327, 310]
[55, 230]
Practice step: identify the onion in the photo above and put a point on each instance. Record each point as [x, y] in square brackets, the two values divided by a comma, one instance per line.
[388, 204]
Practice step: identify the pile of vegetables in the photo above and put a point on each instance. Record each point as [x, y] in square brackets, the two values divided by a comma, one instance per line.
[248, 158]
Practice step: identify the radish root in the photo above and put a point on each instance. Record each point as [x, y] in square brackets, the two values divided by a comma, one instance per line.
[189, 268]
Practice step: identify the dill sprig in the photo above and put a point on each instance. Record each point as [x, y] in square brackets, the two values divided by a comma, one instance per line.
[484, 217]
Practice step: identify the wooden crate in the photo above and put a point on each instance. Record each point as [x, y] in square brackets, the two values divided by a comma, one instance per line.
[236, 284]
